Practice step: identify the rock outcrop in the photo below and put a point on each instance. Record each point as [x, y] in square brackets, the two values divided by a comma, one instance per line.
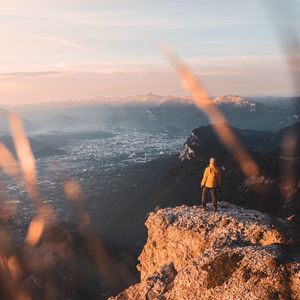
[230, 254]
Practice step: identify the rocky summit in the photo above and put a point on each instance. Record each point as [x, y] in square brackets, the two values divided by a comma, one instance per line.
[233, 253]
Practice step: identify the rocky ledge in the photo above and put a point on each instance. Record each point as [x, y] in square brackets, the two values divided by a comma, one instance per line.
[233, 253]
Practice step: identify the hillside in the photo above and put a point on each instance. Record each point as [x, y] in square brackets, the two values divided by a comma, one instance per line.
[280, 141]
[231, 254]
[4, 126]
[39, 148]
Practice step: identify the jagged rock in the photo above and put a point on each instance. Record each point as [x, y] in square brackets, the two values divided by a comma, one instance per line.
[154, 287]
[251, 272]
[181, 233]
[230, 254]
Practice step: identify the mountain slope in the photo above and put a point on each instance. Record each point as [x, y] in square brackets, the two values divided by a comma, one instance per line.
[288, 140]
[64, 120]
[4, 125]
[39, 149]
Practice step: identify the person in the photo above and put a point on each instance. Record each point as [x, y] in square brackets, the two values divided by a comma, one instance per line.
[211, 182]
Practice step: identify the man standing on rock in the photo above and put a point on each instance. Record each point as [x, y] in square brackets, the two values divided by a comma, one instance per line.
[211, 181]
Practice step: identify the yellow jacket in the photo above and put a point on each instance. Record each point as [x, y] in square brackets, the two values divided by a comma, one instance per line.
[211, 177]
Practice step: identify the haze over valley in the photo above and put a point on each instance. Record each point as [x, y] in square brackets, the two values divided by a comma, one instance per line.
[137, 155]
[96, 143]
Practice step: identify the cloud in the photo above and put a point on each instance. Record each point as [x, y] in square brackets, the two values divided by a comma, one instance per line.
[58, 41]
[108, 68]
[27, 74]
[66, 70]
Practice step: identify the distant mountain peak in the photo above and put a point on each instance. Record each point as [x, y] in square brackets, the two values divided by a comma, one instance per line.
[63, 119]
[148, 97]
[235, 101]
[159, 99]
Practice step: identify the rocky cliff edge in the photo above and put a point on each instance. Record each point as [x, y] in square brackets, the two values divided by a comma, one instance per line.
[233, 253]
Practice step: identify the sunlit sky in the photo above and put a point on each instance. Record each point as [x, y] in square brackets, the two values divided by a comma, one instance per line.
[55, 50]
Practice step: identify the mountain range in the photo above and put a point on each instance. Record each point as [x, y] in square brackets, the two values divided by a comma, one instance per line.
[158, 113]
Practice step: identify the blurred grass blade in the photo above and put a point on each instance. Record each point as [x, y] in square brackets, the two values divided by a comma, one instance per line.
[35, 231]
[8, 163]
[25, 155]
[217, 119]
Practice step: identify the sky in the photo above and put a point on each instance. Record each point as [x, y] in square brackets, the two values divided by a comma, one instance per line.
[56, 50]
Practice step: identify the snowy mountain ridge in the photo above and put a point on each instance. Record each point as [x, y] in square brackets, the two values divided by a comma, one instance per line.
[235, 101]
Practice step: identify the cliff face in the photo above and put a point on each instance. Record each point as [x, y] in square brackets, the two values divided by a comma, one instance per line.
[230, 254]
[270, 193]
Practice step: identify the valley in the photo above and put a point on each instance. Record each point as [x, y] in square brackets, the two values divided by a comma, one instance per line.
[138, 158]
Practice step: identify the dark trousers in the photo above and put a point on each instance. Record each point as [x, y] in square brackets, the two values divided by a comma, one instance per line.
[213, 197]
